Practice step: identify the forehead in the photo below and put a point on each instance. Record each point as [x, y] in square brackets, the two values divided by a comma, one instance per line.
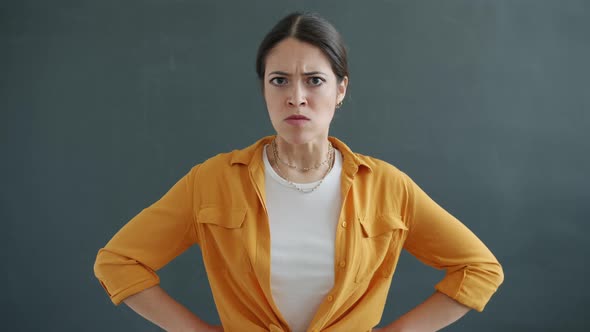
[292, 55]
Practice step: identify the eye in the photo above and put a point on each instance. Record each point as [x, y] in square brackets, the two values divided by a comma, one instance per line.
[315, 81]
[278, 81]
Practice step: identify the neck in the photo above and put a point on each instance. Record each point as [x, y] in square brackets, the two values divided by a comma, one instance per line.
[303, 155]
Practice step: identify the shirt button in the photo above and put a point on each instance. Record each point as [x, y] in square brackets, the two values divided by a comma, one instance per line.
[344, 224]
[330, 298]
[342, 264]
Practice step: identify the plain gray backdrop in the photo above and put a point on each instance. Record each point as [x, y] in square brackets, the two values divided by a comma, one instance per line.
[105, 104]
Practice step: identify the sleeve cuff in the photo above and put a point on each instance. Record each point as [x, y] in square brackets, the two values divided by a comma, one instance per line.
[470, 287]
[122, 294]
[122, 277]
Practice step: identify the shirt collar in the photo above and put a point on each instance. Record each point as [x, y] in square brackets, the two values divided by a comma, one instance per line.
[252, 155]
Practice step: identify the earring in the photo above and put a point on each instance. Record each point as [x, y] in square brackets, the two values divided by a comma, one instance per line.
[339, 104]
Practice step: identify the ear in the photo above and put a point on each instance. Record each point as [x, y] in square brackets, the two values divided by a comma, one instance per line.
[341, 93]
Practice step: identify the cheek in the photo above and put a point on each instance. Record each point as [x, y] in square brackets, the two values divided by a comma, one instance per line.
[328, 91]
[271, 96]
[273, 105]
[276, 105]
[325, 98]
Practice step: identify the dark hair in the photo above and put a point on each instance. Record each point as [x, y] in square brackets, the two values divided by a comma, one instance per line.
[310, 28]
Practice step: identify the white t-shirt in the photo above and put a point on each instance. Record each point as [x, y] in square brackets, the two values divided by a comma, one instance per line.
[303, 234]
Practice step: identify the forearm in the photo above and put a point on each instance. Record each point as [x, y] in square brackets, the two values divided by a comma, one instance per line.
[437, 312]
[155, 305]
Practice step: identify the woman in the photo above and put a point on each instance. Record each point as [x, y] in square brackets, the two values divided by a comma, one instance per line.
[298, 233]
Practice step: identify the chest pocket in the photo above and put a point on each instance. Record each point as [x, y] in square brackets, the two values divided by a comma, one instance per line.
[379, 245]
[222, 232]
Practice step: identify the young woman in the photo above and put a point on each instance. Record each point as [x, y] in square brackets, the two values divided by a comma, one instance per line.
[298, 233]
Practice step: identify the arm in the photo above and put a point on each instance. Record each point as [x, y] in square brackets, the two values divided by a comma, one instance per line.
[155, 305]
[437, 312]
[438, 239]
[126, 267]
[129, 261]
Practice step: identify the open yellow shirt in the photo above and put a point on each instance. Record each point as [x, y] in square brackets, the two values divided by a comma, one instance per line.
[220, 206]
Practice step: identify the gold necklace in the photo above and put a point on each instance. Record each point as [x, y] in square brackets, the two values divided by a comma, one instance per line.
[294, 185]
[304, 169]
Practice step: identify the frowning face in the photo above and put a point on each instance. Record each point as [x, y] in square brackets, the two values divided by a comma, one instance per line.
[301, 91]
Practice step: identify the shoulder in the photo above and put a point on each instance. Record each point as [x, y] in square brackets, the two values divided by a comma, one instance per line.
[218, 162]
[384, 183]
[369, 167]
[212, 167]
[381, 168]
[237, 160]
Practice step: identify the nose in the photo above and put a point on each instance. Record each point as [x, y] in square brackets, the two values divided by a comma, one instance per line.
[297, 96]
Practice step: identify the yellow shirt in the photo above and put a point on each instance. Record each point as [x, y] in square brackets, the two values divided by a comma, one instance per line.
[220, 206]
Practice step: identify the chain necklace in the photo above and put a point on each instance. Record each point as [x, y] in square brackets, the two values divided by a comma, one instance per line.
[331, 158]
[304, 169]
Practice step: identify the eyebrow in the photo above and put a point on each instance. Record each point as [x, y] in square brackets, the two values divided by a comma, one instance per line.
[310, 73]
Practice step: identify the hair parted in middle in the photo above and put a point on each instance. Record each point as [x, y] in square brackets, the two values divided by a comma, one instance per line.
[309, 28]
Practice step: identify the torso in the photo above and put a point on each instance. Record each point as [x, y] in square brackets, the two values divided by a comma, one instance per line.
[303, 232]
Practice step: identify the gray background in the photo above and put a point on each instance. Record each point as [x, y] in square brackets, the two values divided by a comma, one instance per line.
[105, 104]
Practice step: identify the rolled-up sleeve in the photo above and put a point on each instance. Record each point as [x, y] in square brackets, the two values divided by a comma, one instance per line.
[439, 240]
[158, 234]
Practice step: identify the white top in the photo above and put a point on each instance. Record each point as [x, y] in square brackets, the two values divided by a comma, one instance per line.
[303, 235]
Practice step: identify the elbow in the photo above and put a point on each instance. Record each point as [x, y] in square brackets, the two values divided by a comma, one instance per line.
[473, 285]
[491, 272]
[121, 276]
[500, 274]
[101, 264]
[97, 267]
[488, 275]
[99, 272]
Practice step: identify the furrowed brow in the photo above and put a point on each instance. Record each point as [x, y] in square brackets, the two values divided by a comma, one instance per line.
[312, 73]
[278, 72]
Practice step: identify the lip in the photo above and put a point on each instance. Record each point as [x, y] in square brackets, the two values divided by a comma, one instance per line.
[297, 120]
[297, 117]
